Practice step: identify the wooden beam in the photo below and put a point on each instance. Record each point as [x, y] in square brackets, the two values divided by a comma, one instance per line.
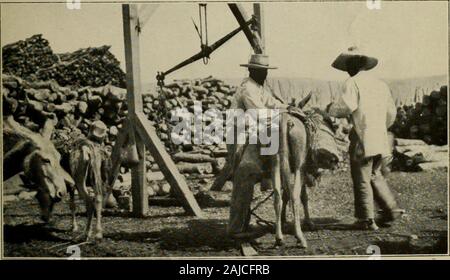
[258, 11]
[146, 12]
[131, 37]
[148, 134]
[134, 99]
[138, 180]
[240, 15]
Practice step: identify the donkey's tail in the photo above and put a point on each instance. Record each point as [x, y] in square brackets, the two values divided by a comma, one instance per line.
[284, 150]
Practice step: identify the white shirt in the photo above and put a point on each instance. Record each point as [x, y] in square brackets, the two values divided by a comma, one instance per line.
[370, 102]
[251, 95]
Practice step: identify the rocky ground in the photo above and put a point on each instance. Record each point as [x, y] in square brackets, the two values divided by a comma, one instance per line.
[167, 232]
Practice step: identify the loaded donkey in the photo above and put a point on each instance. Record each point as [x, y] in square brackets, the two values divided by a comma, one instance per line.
[294, 159]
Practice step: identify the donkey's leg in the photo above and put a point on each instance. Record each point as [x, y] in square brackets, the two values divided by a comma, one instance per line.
[277, 200]
[98, 213]
[304, 198]
[83, 192]
[73, 209]
[295, 191]
[284, 208]
[90, 215]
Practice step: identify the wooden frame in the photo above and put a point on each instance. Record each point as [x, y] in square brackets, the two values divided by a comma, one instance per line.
[138, 127]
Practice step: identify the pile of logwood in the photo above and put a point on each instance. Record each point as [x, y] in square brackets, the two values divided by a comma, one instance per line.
[32, 103]
[196, 161]
[74, 108]
[211, 92]
[416, 155]
[25, 57]
[33, 59]
[426, 120]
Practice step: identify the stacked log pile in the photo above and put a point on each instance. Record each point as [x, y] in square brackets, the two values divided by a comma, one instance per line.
[416, 155]
[32, 103]
[426, 120]
[25, 57]
[196, 161]
[74, 108]
[33, 59]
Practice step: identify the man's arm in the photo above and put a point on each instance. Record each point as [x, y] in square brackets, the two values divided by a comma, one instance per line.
[347, 103]
[391, 111]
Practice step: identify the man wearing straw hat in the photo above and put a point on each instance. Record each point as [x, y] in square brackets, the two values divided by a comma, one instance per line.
[250, 95]
[369, 102]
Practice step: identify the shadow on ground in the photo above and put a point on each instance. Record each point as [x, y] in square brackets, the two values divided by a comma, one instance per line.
[25, 233]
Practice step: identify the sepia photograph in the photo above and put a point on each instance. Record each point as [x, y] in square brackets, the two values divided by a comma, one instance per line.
[215, 130]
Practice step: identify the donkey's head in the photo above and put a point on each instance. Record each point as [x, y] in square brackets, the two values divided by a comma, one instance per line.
[42, 169]
[44, 173]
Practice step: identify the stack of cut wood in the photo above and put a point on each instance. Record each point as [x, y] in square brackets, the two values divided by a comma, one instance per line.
[426, 120]
[211, 92]
[196, 161]
[416, 155]
[26, 57]
[32, 103]
[33, 59]
[86, 67]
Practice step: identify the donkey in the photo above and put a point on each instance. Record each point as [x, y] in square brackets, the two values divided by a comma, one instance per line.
[90, 164]
[35, 155]
[289, 163]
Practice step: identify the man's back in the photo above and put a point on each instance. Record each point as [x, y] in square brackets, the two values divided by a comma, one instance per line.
[373, 111]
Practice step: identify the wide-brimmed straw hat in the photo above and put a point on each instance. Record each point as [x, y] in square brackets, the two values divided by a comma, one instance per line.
[98, 130]
[258, 61]
[340, 62]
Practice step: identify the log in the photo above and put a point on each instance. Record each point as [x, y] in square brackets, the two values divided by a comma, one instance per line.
[408, 142]
[194, 168]
[220, 153]
[432, 165]
[192, 158]
[427, 156]
[13, 185]
[155, 176]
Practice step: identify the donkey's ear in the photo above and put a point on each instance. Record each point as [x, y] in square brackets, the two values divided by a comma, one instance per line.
[48, 128]
[305, 100]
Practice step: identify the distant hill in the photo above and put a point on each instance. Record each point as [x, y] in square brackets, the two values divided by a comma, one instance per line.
[404, 91]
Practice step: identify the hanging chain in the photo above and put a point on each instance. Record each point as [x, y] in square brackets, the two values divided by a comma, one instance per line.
[203, 22]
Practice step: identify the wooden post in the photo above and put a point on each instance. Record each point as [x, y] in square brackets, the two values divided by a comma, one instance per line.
[258, 11]
[134, 100]
[141, 128]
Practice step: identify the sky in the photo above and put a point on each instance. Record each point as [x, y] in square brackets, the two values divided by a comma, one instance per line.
[410, 39]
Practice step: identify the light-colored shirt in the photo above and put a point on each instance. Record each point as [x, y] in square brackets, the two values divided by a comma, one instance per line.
[373, 111]
[251, 95]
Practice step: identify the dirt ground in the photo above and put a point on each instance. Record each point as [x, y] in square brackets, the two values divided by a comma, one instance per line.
[168, 232]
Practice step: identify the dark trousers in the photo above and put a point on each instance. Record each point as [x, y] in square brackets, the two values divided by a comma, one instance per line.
[369, 184]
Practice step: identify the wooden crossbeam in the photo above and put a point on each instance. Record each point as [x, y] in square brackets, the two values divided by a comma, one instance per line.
[241, 17]
[258, 11]
[146, 12]
[148, 134]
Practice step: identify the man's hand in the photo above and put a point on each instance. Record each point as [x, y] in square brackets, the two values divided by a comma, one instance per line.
[297, 112]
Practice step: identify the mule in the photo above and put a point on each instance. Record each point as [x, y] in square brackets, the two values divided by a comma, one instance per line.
[288, 172]
[35, 155]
